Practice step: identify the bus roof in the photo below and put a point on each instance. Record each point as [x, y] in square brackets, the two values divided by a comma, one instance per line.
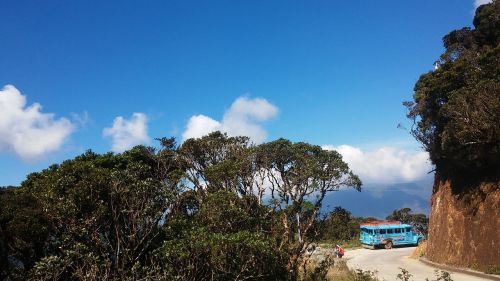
[383, 224]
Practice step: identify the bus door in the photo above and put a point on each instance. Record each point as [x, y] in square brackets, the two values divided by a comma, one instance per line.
[408, 235]
[391, 234]
[399, 235]
[365, 235]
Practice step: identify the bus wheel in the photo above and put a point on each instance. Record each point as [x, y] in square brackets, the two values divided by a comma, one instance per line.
[388, 245]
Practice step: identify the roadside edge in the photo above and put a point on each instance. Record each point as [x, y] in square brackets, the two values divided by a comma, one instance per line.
[459, 270]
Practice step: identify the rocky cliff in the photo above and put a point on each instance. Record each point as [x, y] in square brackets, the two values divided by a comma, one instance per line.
[464, 225]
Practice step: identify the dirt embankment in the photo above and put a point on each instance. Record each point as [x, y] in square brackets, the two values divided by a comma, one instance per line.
[465, 224]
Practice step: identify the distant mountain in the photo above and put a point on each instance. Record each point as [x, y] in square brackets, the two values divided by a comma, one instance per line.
[379, 201]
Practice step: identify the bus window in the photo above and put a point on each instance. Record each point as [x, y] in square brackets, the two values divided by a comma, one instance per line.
[382, 231]
[368, 231]
[408, 229]
[397, 230]
[376, 231]
[389, 231]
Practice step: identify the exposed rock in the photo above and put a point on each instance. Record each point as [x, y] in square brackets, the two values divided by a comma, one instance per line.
[464, 227]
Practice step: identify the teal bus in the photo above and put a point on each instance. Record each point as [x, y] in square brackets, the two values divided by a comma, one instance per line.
[388, 234]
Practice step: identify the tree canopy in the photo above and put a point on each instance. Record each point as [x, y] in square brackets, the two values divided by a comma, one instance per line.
[405, 215]
[456, 107]
[213, 208]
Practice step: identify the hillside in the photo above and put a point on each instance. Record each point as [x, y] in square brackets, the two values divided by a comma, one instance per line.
[456, 114]
[379, 201]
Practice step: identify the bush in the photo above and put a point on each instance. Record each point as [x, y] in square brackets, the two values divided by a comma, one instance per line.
[223, 256]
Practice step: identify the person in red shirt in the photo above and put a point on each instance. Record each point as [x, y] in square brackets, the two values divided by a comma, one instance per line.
[339, 252]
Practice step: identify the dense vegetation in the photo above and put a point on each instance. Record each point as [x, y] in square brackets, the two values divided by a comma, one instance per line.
[338, 225]
[214, 208]
[456, 107]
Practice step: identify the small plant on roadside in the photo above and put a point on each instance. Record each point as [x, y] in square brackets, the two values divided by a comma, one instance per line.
[492, 269]
[320, 271]
[404, 275]
[365, 275]
[340, 272]
[441, 276]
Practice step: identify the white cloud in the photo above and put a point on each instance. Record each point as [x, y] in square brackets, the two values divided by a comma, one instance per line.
[126, 134]
[243, 118]
[25, 130]
[386, 165]
[478, 3]
[81, 118]
[200, 125]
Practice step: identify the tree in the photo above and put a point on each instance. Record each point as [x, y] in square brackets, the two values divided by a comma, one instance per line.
[227, 238]
[218, 162]
[216, 206]
[24, 233]
[297, 173]
[295, 176]
[339, 225]
[456, 108]
[405, 215]
[106, 211]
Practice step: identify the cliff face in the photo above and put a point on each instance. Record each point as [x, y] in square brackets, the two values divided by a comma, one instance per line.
[464, 228]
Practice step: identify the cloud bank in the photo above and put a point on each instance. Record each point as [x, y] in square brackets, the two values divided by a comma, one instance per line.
[126, 134]
[26, 130]
[243, 118]
[386, 165]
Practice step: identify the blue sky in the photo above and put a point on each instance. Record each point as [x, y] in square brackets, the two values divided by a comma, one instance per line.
[332, 73]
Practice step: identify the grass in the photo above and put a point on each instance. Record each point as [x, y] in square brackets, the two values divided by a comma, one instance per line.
[351, 244]
[333, 268]
[493, 269]
[488, 269]
[341, 272]
[419, 251]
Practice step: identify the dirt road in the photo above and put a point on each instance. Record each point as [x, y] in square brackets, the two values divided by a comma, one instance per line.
[388, 262]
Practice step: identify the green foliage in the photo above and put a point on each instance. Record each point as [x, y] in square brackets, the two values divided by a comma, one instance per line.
[193, 212]
[338, 225]
[319, 272]
[24, 230]
[226, 238]
[457, 106]
[101, 213]
[441, 276]
[405, 215]
[49, 268]
[365, 275]
[300, 175]
[493, 269]
[404, 275]
[217, 162]
[342, 273]
[223, 256]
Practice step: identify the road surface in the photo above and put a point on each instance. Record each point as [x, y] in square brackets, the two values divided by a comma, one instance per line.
[388, 262]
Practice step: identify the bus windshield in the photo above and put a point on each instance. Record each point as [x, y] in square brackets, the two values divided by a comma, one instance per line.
[369, 231]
